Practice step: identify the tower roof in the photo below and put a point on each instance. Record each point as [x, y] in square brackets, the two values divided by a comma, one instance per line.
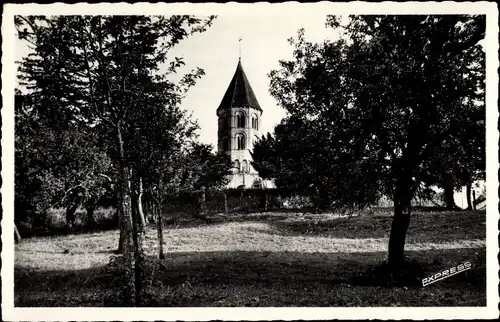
[239, 92]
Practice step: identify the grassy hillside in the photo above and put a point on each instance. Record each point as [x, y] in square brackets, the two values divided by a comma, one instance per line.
[266, 259]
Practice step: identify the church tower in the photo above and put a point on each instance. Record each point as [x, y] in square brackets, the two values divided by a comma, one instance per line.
[239, 115]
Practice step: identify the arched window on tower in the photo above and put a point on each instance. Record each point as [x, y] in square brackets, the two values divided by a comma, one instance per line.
[240, 141]
[244, 166]
[255, 122]
[240, 119]
[237, 165]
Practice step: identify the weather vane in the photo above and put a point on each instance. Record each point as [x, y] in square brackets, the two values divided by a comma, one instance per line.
[239, 41]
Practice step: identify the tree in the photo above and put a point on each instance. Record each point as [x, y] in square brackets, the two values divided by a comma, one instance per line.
[459, 161]
[55, 165]
[300, 157]
[182, 169]
[208, 171]
[170, 160]
[162, 155]
[428, 94]
[103, 71]
[399, 86]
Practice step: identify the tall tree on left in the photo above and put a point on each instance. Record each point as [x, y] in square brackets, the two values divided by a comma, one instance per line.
[101, 71]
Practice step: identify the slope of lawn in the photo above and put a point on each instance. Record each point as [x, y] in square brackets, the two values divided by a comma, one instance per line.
[265, 259]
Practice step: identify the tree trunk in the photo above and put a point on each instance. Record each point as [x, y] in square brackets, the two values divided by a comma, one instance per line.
[90, 215]
[145, 209]
[116, 216]
[225, 202]
[141, 218]
[202, 206]
[138, 218]
[126, 229]
[242, 205]
[138, 236]
[474, 200]
[152, 212]
[400, 223]
[321, 198]
[17, 236]
[159, 226]
[449, 192]
[70, 214]
[139, 204]
[121, 242]
[397, 237]
[469, 195]
[266, 200]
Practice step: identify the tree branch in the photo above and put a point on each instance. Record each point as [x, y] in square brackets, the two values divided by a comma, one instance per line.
[87, 65]
[66, 193]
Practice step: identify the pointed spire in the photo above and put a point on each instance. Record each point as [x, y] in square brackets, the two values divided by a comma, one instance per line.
[239, 91]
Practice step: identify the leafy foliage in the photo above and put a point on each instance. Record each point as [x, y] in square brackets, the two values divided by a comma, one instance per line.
[54, 164]
[381, 101]
[210, 169]
[301, 157]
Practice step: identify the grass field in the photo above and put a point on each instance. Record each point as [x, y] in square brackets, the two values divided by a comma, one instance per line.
[266, 259]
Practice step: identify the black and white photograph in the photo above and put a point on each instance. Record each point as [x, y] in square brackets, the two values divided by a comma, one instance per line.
[287, 161]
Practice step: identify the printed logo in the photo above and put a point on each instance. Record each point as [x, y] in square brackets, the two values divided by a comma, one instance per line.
[447, 273]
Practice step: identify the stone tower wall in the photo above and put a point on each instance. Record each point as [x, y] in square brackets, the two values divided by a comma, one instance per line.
[230, 130]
